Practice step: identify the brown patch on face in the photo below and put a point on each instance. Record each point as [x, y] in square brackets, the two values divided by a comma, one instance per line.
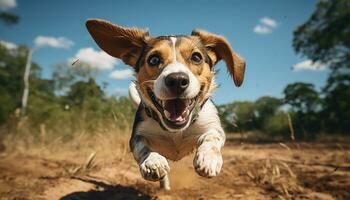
[186, 47]
[147, 74]
[161, 48]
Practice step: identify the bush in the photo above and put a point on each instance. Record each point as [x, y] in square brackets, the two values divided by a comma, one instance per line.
[277, 125]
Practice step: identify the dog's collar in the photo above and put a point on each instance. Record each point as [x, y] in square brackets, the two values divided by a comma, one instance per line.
[152, 114]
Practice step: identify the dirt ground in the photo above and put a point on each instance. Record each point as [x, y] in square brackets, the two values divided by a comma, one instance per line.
[250, 171]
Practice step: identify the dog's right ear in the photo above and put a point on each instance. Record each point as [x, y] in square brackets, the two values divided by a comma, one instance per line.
[123, 43]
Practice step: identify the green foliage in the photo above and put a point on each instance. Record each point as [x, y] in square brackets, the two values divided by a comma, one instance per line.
[6, 105]
[277, 125]
[69, 103]
[302, 97]
[124, 112]
[237, 116]
[12, 62]
[306, 106]
[265, 108]
[83, 104]
[9, 18]
[264, 115]
[336, 113]
[325, 36]
[65, 74]
[311, 112]
[81, 92]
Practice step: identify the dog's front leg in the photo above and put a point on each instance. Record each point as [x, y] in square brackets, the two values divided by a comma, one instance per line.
[208, 159]
[153, 166]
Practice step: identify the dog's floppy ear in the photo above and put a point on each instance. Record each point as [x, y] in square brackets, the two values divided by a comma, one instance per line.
[123, 43]
[219, 48]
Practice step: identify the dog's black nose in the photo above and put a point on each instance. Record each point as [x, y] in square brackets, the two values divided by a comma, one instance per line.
[177, 82]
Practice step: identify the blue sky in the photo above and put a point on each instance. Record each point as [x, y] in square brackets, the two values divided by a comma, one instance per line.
[260, 31]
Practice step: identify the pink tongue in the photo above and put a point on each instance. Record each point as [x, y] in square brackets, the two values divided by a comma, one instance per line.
[176, 108]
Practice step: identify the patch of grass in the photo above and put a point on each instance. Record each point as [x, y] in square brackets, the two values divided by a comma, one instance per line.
[275, 176]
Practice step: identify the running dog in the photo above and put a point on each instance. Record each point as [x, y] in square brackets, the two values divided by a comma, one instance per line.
[174, 83]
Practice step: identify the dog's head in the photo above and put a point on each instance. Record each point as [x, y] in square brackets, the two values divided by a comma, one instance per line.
[174, 73]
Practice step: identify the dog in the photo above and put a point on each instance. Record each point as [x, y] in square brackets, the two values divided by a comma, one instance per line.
[174, 83]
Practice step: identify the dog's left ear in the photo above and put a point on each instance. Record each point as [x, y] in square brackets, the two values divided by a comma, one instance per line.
[219, 48]
[120, 42]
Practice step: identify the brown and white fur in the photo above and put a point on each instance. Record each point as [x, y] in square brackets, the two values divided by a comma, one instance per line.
[174, 81]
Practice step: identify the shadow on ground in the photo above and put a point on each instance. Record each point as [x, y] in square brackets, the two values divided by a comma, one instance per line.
[107, 192]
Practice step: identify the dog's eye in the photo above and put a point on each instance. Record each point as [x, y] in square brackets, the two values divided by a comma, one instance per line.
[196, 57]
[154, 60]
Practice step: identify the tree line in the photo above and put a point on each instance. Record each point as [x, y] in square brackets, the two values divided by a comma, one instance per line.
[69, 102]
[323, 38]
[302, 108]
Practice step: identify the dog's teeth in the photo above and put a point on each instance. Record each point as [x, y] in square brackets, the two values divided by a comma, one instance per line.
[167, 114]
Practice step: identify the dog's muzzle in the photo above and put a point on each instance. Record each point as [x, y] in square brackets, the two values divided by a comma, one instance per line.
[175, 110]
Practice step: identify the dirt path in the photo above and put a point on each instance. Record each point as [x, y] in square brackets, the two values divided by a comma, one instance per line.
[274, 171]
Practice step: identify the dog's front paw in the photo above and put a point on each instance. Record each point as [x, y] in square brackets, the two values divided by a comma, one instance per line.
[154, 167]
[208, 163]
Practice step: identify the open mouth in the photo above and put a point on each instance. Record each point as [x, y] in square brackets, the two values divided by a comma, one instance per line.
[175, 112]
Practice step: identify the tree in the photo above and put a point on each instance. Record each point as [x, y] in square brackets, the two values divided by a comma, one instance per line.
[12, 63]
[325, 36]
[9, 18]
[337, 103]
[276, 125]
[65, 74]
[302, 97]
[237, 116]
[266, 107]
[306, 105]
[82, 91]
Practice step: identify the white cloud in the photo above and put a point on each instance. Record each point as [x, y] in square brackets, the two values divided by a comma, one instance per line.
[96, 59]
[55, 42]
[308, 65]
[261, 29]
[8, 45]
[266, 26]
[121, 74]
[7, 4]
[269, 22]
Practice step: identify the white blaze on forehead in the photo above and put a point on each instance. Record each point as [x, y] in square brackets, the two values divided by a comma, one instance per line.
[173, 40]
[160, 89]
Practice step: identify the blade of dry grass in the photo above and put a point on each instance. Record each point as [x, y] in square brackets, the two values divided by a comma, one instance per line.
[284, 146]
